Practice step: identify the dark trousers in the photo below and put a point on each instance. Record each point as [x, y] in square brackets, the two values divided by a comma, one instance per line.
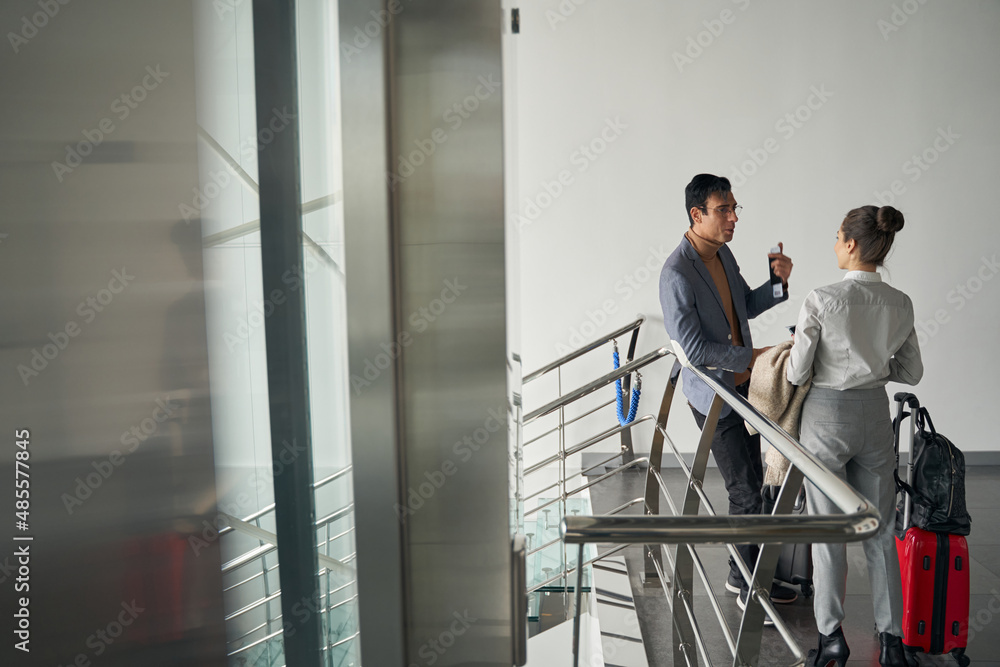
[738, 455]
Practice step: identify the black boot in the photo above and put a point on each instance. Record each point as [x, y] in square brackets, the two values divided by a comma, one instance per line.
[831, 648]
[891, 651]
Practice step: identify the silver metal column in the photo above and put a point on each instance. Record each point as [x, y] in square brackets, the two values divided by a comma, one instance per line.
[427, 324]
[371, 322]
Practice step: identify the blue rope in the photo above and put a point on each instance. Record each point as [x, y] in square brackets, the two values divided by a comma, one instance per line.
[633, 404]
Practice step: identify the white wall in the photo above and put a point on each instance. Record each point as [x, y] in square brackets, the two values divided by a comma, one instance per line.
[893, 85]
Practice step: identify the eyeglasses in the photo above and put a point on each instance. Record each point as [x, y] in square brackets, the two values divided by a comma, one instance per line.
[724, 210]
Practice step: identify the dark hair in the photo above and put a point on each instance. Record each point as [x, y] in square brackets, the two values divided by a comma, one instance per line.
[874, 229]
[702, 187]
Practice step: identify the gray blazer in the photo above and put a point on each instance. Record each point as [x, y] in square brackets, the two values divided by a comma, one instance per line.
[694, 317]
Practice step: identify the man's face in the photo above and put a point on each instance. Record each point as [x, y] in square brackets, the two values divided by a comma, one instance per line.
[717, 221]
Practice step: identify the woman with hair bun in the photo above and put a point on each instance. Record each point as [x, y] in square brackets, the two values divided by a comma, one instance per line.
[851, 339]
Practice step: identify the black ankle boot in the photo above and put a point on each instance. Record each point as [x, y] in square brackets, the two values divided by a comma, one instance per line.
[831, 648]
[891, 651]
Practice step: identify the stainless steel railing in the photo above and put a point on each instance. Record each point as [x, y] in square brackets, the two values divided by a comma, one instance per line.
[562, 491]
[255, 627]
[589, 347]
[686, 528]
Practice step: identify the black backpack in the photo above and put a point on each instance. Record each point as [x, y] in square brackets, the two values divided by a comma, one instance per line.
[938, 489]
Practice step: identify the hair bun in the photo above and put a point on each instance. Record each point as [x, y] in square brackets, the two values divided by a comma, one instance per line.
[888, 220]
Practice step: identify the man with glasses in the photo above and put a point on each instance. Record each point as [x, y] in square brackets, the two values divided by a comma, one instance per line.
[706, 309]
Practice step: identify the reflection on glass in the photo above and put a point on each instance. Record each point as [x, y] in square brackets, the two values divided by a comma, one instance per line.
[326, 325]
[229, 144]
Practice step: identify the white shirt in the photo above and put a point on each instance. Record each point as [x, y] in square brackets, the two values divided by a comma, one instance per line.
[855, 334]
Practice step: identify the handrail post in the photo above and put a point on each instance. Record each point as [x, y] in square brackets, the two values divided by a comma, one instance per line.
[652, 494]
[577, 607]
[562, 480]
[752, 623]
[683, 576]
[628, 451]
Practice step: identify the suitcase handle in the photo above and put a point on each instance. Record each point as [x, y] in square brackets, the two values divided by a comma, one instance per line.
[904, 400]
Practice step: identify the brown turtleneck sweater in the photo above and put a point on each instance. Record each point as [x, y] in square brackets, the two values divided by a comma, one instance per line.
[708, 250]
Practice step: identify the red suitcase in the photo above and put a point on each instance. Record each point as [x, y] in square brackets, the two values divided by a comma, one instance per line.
[935, 571]
[934, 568]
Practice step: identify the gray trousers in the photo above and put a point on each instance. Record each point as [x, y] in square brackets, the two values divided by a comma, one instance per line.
[851, 433]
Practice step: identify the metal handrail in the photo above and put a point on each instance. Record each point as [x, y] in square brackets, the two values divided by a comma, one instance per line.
[271, 539]
[576, 449]
[696, 560]
[610, 473]
[860, 521]
[862, 516]
[250, 526]
[714, 529]
[609, 552]
[564, 452]
[270, 508]
[682, 566]
[593, 345]
[591, 387]
[569, 421]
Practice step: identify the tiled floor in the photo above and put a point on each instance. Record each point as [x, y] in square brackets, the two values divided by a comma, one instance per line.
[983, 497]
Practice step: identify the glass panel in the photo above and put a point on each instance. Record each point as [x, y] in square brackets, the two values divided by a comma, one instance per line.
[326, 322]
[227, 204]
